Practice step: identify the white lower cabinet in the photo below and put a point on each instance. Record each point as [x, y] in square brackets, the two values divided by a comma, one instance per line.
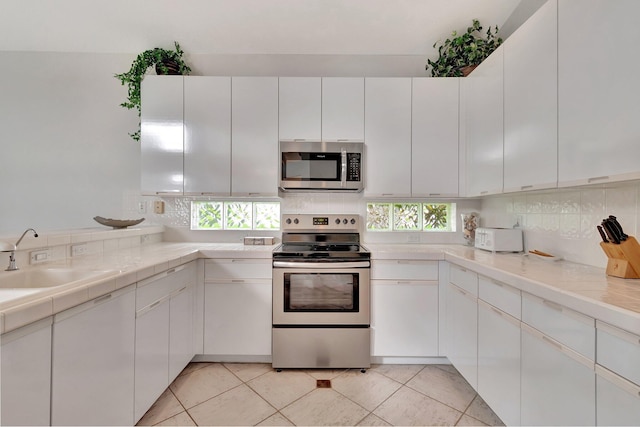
[164, 332]
[558, 384]
[404, 318]
[499, 362]
[462, 331]
[237, 316]
[26, 375]
[93, 362]
[617, 400]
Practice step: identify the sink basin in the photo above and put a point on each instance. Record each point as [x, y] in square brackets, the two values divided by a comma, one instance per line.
[47, 277]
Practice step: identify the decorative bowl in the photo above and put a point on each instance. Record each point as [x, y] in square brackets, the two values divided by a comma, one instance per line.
[117, 223]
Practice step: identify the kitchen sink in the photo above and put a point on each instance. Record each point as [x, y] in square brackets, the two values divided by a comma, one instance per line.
[48, 277]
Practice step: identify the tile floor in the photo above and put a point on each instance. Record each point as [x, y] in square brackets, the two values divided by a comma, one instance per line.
[255, 394]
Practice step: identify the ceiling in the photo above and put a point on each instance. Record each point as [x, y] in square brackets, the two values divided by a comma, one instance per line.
[352, 27]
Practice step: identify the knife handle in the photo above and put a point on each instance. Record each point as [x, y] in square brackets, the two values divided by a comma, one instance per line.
[604, 236]
[618, 227]
[611, 233]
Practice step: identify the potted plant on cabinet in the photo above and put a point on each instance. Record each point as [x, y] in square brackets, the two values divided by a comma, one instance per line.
[167, 62]
[460, 54]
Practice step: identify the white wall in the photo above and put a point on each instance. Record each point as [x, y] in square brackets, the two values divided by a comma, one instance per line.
[563, 222]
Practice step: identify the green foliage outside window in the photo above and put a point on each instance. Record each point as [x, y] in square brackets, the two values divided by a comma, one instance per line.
[410, 216]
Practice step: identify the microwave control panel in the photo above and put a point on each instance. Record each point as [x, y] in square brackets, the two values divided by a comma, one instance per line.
[353, 166]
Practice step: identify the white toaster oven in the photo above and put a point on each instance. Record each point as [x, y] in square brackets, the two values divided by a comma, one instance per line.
[499, 239]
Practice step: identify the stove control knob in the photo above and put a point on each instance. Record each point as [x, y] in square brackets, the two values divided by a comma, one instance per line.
[344, 221]
[337, 220]
[288, 221]
[295, 221]
[353, 221]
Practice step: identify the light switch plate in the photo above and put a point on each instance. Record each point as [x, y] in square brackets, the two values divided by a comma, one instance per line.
[158, 207]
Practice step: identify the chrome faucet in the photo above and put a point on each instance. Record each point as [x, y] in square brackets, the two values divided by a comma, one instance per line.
[8, 247]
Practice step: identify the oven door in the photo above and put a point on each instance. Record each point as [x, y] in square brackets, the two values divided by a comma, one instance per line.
[321, 294]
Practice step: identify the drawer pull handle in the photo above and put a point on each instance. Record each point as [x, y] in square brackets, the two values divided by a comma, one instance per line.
[171, 271]
[403, 282]
[497, 283]
[552, 342]
[597, 178]
[484, 192]
[464, 270]
[155, 304]
[496, 311]
[461, 291]
[101, 299]
[237, 260]
[526, 187]
[552, 305]
[237, 281]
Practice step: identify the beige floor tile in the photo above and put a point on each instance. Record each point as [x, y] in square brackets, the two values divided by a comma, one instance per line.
[238, 406]
[276, 419]
[448, 368]
[248, 371]
[165, 407]
[466, 420]
[282, 388]
[408, 407]
[203, 384]
[367, 390]
[481, 411]
[194, 366]
[182, 419]
[400, 373]
[373, 420]
[325, 374]
[444, 386]
[324, 407]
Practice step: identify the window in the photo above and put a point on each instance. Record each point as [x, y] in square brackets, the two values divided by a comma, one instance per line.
[411, 216]
[235, 215]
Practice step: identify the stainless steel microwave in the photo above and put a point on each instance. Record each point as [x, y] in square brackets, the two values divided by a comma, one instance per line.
[321, 165]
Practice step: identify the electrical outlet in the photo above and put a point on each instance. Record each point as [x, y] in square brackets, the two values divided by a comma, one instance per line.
[158, 207]
[80, 249]
[142, 207]
[40, 256]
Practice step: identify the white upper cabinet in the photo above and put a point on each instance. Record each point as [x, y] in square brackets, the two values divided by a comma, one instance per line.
[530, 103]
[482, 91]
[300, 108]
[434, 137]
[599, 130]
[207, 130]
[343, 108]
[161, 141]
[388, 136]
[254, 136]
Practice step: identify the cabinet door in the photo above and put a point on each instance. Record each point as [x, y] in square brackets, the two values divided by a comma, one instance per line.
[404, 318]
[180, 330]
[598, 88]
[388, 135]
[531, 103]
[342, 108]
[617, 400]
[558, 384]
[207, 135]
[93, 362]
[238, 318]
[152, 355]
[254, 136]
[26, 375]
[483, 126]
[161, 142]
[462, 325]
[299, 108]
[499, 362]
[434, 137]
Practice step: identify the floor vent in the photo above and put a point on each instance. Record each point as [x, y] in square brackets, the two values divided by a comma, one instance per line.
[323, 383]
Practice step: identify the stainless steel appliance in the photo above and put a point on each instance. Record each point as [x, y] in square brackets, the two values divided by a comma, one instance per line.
[321, 165]
[321, 294]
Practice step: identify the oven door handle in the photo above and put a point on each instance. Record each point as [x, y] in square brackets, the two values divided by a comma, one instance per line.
[322, 265]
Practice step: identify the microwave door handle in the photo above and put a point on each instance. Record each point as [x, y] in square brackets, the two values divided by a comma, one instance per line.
[343, 169]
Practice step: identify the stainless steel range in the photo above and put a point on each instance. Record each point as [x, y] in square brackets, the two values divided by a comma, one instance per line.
[321, 294]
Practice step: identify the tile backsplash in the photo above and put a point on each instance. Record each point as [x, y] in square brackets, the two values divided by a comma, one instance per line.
[563, 222]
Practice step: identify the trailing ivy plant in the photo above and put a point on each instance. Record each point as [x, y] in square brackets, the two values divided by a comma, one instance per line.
[165, 62]
[467, 49]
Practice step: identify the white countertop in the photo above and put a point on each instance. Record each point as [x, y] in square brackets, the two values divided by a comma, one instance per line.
[582, 288]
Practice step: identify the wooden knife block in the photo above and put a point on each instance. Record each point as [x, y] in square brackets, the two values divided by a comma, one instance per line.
[624, 259]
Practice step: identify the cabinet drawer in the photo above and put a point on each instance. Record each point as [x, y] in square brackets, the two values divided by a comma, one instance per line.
[573, 329]
[618, 351]
[617, 400]
[500, 295]
[467, 280]
[237, 268]
[399, 269]
[159, 286]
